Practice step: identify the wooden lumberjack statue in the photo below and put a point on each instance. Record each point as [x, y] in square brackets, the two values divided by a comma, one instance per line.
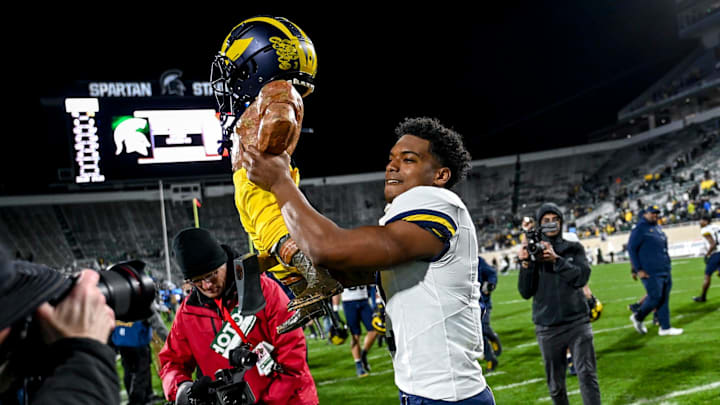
[264, 68]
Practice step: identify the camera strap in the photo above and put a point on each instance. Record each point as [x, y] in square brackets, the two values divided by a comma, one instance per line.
[231, 321]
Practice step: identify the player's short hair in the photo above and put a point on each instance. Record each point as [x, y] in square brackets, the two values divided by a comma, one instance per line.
[446, 145]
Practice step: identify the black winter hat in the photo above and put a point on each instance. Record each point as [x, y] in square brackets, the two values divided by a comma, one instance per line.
[548, 207]
[24, 286]
[197, 252]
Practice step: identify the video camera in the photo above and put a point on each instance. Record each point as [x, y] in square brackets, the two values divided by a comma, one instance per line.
[229, 387]
[534, 239]
[534, 245]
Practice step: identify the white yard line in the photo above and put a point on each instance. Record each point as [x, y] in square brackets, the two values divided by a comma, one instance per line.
[526, 382]
[631, 298]
[595, 332]
[546, 399]
[494, 373]
[529, 344]
[679, 393]
[352, 378]
[327, 382]
[673, 292]
[512, 302]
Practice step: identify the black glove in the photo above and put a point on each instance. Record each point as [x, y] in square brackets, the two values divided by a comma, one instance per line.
[197, 392]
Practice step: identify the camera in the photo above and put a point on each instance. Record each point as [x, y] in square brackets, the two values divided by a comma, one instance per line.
[534, 245]
[127, 290]
[229, 387]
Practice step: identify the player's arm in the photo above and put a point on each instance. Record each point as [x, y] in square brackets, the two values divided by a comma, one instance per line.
[633, 247]
[326, 244]
[365, 248]
[712, 246]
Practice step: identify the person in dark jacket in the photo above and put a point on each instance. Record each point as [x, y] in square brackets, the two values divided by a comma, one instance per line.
[202, 334]
[132, 340]
[555, 281]
[72, 364]
[648, 250]
[487, 276]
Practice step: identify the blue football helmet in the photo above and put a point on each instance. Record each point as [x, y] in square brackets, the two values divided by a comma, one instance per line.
[257, 51]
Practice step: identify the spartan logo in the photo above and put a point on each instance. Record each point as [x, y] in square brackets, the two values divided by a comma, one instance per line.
[131, 132]
[170, 83]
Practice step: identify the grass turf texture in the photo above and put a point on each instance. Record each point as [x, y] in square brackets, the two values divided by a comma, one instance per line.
[632, 368]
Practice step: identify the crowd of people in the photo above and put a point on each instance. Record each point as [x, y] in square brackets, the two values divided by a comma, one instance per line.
[697, 198]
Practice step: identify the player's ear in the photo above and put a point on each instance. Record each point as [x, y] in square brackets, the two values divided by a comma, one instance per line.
[442, 176]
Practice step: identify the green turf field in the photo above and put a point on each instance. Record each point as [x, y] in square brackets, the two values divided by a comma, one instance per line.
[632, 368]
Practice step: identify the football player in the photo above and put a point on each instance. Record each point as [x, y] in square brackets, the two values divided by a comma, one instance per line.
[711, 232]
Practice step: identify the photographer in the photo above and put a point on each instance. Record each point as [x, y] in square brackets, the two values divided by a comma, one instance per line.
[554, 276]
[70, 363]
[204, 330]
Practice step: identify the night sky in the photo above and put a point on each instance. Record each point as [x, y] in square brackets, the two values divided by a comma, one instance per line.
[511, 79]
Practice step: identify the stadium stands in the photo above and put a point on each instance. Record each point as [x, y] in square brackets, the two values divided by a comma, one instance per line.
[698, 74]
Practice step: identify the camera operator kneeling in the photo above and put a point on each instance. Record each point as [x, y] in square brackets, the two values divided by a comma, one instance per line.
[66, 361]
[554, 276]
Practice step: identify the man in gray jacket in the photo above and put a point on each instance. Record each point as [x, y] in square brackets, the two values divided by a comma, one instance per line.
[555, 277]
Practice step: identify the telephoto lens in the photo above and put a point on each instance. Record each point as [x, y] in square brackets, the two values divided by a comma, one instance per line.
[128, 290]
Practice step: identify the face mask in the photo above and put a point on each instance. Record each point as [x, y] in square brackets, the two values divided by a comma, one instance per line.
[550, 227]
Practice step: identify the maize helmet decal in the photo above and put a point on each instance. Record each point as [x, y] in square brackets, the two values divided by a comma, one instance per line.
[257, 51]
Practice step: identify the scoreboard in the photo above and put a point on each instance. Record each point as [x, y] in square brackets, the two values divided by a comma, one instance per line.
[124, 131]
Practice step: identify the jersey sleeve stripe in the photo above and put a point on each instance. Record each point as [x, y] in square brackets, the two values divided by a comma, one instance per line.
[427, 216]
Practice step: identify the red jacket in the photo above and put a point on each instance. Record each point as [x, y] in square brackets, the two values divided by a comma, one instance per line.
[198, 321]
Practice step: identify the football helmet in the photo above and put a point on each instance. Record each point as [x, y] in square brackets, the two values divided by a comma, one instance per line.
[378, 319]
[338, 335]
[596, 308]
[257, 51]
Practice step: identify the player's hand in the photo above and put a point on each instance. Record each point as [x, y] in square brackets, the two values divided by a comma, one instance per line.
[634, 276]
[264, 169]
[487, 288]
[642, 274]
[83, 313]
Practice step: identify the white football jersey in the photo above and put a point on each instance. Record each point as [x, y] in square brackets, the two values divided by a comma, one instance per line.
[433, 306]
[714, 231]
[355, 293]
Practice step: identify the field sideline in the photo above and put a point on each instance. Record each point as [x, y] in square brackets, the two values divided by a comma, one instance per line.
[633, 369]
